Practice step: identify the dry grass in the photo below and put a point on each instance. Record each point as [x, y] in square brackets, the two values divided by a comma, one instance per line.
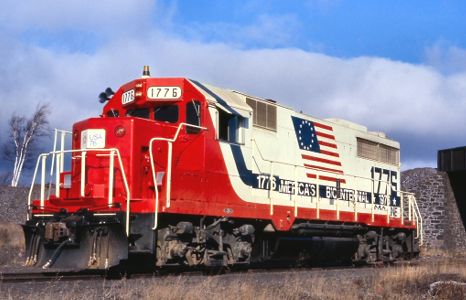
[414, 281]
[442, 253]
[407, 282]
[11, 243]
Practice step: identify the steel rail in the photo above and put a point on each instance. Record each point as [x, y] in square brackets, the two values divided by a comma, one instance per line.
[47, 276]
[17, 277]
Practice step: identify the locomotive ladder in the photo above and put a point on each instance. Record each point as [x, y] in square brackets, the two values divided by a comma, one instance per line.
[157, 182]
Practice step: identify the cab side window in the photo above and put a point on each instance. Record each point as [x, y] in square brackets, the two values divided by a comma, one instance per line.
[193, 116]
[230, 127]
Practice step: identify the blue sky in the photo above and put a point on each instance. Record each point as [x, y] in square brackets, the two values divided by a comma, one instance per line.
[393, 66]
[399, 30]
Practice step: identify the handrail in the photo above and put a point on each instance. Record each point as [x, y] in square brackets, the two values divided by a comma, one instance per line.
[412, 204]
[413, 209]
[346, 175]
[60, 160]
[316, 169]
[419, 225]
[271, 202]
[63, 134]
[112, 151]
[414, 215]
[169, 162]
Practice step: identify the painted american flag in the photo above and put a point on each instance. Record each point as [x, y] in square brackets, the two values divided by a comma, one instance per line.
[319, 150]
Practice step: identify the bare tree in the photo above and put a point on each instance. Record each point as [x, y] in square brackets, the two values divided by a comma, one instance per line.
[24, 134]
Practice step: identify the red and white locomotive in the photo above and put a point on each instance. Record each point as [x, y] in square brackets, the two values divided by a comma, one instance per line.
[188, 174]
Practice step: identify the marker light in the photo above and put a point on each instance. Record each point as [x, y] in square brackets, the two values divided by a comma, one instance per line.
[138, 88]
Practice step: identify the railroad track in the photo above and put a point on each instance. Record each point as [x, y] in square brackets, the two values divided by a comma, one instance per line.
[46, 276]
[22, 276]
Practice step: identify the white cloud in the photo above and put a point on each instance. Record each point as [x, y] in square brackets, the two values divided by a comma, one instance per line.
[407, 100]
[88, 15]
[266, 30]
[449, 59]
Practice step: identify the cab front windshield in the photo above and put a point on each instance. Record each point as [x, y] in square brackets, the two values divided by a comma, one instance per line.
[164, 113]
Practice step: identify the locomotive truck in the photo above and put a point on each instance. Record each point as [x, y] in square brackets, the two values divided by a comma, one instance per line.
[183, 173]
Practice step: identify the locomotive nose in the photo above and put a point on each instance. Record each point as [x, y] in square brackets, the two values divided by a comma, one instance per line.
[88, 244]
